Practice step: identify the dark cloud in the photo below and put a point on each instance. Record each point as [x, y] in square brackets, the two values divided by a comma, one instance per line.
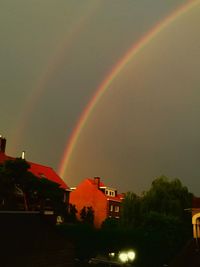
[146, 124]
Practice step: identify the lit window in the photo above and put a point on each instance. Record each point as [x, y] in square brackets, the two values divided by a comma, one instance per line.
[116, 208]
[112, 193]
[111, 207]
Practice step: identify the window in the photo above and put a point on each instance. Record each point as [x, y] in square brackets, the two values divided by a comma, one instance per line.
[116, 208]
[111, 207]
[112, 193]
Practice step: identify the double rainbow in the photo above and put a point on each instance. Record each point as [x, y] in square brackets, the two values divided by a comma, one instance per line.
[116, 70]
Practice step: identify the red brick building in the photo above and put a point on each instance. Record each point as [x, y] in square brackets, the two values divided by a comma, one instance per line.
[104, 200]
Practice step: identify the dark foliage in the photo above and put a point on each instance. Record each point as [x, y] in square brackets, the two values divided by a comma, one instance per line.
[156, 225]
[87, 215]
[21, 190]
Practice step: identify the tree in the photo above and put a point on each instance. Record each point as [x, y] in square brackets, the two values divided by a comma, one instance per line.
[25, 183]
[87, 215]
[72, 211]
[159, 222]
[37, 193]
[90, 215]
[83, 214]
[50, 195]
[161, 237]
[7, 190]
[110, 224]
[167, 197]
[131, 214]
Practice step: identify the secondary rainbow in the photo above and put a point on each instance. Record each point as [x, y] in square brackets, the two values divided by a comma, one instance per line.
[116, 70]
[63, 47]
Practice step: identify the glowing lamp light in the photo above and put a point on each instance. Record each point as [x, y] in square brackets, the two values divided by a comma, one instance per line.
[112, 254]
[123, 257]
[131, 255]
[128, 256]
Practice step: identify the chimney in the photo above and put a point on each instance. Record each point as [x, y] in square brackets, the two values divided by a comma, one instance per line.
[97, 181]
[2, 144]
[23, 154]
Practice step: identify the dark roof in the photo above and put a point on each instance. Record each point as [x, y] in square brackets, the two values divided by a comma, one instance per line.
[196, 202]
[39, 170]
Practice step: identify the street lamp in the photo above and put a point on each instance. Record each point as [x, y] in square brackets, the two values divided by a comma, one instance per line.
[123, 257]
[126, 257]
[131, 255]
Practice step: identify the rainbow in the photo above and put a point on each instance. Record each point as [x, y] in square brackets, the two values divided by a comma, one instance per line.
[116, 70]
[52, 64]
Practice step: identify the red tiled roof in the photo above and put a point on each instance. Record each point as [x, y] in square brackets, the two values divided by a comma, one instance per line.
[116, 198]
[121, 196]
[46, 172]
[40, 171]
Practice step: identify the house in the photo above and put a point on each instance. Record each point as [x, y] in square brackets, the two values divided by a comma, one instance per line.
[104, 200]
[189, 255]
[38, 170]
[196, 217]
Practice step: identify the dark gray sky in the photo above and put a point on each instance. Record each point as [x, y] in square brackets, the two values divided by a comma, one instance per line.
[54, 55]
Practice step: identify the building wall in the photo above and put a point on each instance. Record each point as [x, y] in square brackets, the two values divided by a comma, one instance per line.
[87, 194]
[114, 209]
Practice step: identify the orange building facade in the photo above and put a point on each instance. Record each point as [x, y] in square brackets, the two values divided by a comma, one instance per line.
[105, 201]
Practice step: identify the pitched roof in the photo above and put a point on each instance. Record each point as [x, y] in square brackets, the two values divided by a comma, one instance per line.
[48, 173]
[39, 170]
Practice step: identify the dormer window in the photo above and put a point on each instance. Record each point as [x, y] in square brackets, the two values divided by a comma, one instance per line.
[110, 193]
